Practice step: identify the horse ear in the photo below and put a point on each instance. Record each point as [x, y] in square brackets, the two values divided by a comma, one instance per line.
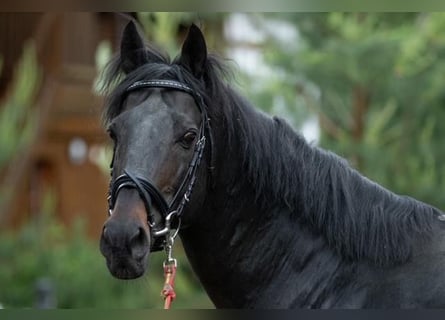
[133, 53]
[194, 51]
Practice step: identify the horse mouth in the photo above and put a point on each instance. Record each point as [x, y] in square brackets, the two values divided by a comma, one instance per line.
[122, 264]
[126, 268]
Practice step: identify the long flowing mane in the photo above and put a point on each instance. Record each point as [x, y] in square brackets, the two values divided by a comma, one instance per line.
[358, 218]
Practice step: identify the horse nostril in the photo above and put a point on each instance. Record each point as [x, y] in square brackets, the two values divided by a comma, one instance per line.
[106, 235]
[139, 244]
[108, 239]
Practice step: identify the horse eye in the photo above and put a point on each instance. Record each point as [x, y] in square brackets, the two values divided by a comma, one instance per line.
[112, 135]
[188, 139]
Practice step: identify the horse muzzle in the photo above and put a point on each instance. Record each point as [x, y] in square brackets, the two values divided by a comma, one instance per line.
[125, 239]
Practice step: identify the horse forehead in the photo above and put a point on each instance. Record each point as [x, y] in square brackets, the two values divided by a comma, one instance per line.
[158, 105]
[143, 111]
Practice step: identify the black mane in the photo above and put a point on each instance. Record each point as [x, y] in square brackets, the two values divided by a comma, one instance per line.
[359, 219]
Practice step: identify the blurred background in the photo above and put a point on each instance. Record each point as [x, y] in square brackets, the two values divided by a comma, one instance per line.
[368, 86]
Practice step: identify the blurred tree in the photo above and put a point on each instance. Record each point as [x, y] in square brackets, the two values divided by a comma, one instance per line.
[168, 29]
[375, 80]
[17, 120]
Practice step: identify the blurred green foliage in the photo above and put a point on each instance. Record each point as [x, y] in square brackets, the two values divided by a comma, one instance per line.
[46, 249]
[166, 29]
[17, 119]
[376, 83]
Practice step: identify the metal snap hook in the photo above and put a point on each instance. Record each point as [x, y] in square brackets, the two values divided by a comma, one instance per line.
[167, 225]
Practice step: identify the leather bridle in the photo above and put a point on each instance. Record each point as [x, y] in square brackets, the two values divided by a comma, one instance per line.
[148, 192]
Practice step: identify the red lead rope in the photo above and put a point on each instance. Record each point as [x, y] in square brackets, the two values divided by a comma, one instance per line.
[168, 292]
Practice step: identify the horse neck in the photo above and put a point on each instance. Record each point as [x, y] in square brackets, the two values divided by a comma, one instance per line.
[283, 211]
[241, 245]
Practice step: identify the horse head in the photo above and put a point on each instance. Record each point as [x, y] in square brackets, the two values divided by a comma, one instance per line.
[158, 123]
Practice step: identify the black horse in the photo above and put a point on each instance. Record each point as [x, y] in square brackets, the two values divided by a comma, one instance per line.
[273, 222]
